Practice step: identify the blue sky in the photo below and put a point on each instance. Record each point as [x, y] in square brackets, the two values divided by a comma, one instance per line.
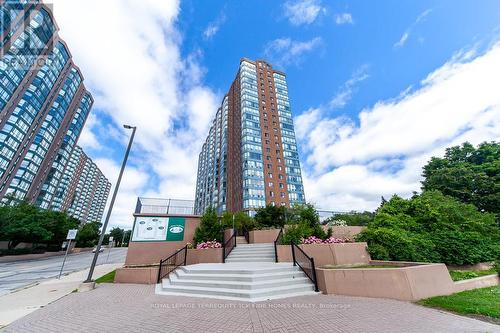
[377, 87]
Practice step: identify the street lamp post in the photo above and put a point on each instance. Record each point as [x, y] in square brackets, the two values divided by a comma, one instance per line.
[110, 209]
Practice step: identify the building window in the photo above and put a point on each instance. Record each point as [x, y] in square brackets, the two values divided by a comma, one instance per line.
[270, 184]
[270, 175]
[271, 194]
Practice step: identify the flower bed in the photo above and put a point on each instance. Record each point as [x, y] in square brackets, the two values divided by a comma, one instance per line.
[329, 240]
[209, 245]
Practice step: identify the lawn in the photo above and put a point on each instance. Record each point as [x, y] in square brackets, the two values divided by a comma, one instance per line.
[465, 275]
[484, 302]
[107, 278]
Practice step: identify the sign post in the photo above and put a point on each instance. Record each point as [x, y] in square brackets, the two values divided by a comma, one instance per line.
[71, 235]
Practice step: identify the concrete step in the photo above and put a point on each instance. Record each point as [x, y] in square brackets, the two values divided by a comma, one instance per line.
[238, 285]
[238, 268]
[242, 281]
[238, 294]
[256, 246]
[290, 274]
[250, 259]
[260, 253]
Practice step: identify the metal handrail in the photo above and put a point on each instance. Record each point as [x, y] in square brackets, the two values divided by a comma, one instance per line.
[247, 235]
[227, 245]
[164, 263]
[276, 241]
[311, 275]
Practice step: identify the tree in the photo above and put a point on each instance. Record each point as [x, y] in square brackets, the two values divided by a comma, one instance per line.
[241, 221]
[128, 235]
[471, 175]
[271, 216]
[210, 227]
[432, 227]
[353, 218]
[58, 223]
[88, 235]
[117, 234]
[21, 223]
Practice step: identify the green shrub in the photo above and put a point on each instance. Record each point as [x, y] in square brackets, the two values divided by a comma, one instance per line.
[431, 227]
[210, 228]
[295, 233]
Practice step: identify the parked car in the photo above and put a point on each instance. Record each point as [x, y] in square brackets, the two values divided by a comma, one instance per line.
[100, 250]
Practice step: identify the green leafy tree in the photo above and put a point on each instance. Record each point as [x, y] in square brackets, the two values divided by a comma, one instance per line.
[353, 218]
[271, 216]
[117, 234]
[241, 221]
[210, 227]
[307, 214]
[21, 223]
[471, 175]
[432, 227]
[88, 235]
[57, 223]
[126, 240]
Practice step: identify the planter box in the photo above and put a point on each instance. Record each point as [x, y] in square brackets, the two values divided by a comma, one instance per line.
[345, 232]
[263, 236]
[195, 256]
[329, 254]
[140, 275]
[404, 281]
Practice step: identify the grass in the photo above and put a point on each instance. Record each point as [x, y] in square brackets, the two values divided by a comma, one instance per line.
[481, 302]
[465, 275]
[107, 278]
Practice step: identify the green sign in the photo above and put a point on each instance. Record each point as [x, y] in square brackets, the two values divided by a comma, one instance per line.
[175, 231]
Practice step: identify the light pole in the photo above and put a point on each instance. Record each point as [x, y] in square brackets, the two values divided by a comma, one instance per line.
[110, 209]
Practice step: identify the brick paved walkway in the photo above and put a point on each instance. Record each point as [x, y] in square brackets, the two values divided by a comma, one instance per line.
[135, 308]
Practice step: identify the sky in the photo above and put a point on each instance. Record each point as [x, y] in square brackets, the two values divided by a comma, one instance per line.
[376, 87]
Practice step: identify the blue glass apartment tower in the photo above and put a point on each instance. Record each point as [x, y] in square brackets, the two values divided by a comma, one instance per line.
[250, 157]
[43, 105]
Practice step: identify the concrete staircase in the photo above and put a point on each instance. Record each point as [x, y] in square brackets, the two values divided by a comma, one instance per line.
[240, 281]
[252, 253]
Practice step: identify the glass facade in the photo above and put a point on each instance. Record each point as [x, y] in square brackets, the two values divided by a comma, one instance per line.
[47, 194]
[290, 151]
[251, 140]
[43, 108]
[247, 167]
[45, 136]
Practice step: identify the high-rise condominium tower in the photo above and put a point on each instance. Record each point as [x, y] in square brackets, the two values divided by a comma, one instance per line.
[43, 105]
[250, 157]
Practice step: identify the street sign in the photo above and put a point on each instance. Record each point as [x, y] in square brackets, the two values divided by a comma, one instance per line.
[72, 234]
[111, 239]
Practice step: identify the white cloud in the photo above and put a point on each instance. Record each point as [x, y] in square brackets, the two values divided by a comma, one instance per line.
[213, 27]
[88, 139]
[345, 92]
[301, 12]
[344, 18]
[133, 67]
[406, 34]
[349, 165]
[285, 51]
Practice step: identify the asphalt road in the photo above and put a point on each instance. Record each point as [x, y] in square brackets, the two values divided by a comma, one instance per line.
[15, 275]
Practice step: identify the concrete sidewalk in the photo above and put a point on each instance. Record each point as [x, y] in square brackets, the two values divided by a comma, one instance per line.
[135, 308]
[24, 301]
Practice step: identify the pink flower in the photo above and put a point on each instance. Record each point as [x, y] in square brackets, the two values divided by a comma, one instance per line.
[209, 245]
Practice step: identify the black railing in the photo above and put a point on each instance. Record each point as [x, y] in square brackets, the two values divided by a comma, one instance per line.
[228, 246]
[169, 264]
[247, 235]
[305, 263]
[276, 243]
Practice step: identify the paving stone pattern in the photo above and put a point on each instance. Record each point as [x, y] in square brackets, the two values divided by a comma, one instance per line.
[135, 308]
